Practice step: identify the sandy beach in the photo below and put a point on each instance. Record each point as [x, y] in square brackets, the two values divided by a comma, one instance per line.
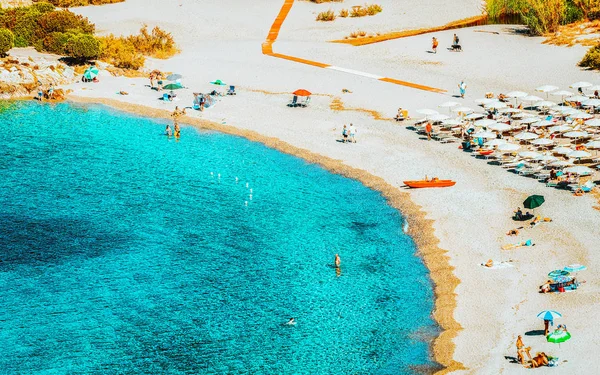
[482, 310]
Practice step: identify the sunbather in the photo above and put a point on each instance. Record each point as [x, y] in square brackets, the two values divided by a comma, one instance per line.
[513, 232]
[517, 245]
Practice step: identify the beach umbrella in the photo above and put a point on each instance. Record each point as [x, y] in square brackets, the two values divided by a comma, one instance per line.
[560, 128]
[438, 117]
[448, 104]
[530, 120]
[542, 142]
[487, 135]
[581, 115]
[593, 144]
[532, 98]
[218, 82]
[174, 77]
[562, 93]
[576, 98]
[516, 94]
[546, 88]
[424, 111]
[557, 273]
[564, 110]
[462, 109]
[578, 154]
[533, 201]
[593, 88]
[173, 86]
[593, 122]
[576, 134]
[544, 104]
[485, 122]
[524, 136]
[508, 147]
[575, 268]
[562, 150]
[546, 158]
[559, 336]
[580, 84]
[549, 315]
[452, 122]
[579, 170]
[91, 73]
[499, 127]
[543, 123]
[509, 110]
[529, 154]
[495, 142]
[561, 163]
[474, 116]
[495, 105]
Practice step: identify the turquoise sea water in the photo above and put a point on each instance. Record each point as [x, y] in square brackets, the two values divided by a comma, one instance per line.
[122, 254]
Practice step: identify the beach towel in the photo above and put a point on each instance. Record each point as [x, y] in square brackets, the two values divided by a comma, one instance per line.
[497, 265]
[517, 245]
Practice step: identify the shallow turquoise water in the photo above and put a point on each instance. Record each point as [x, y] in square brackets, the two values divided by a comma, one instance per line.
[121, 254]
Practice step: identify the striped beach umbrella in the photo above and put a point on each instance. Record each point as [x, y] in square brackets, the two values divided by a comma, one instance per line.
[549, 315]
[91, 73]
[575, 268]
[558, 336]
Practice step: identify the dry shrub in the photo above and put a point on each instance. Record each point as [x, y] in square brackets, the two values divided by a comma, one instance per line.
[592, 58]
[326, 16]
[544, 16]
[358, 11]
[362, 33]
[354, 34]
[158, 43]
[78, 3]
[373, 9]
[344, 13]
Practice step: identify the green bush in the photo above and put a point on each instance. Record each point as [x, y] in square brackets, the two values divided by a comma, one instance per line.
[573, 13]
[61, 21]
[592, 58]
[7, 41]
[82, 47]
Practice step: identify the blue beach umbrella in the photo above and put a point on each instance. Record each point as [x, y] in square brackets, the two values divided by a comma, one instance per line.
[575, 268]
[91, 72]
[556, 273]
[563, 279]
[549, 315]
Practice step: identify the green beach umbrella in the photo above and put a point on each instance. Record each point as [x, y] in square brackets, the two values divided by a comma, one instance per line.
[91, 73]
[558, 336]
[173, 86]
[533, 201]
[218, 82]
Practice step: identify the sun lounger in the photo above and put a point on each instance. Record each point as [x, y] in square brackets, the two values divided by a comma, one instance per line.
[530, 171]
[231, 90]
[305, 103]
[294, 102]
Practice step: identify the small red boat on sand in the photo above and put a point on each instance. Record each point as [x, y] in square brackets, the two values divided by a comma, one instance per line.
[434, 182]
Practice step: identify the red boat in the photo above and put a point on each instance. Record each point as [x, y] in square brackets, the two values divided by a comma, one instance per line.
[429, 183]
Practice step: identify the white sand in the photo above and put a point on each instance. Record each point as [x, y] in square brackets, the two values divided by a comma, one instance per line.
[222, 39]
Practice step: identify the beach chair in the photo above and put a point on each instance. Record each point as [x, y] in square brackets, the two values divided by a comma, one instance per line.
[305, 103]
[294, 102]
[231, 90]
[166, 97]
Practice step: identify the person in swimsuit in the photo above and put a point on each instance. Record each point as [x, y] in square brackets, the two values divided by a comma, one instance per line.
[434, 44]
[291, 322]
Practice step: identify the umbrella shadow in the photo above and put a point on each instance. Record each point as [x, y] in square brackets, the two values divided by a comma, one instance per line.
[511, 359]
[535, 332]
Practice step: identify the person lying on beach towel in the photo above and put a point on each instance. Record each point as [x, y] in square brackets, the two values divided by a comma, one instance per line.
[538, 220]
[493, 264]
[517, 245]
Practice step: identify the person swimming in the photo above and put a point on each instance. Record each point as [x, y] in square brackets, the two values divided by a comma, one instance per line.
[338, 261]
[168, 131]
[291, 322]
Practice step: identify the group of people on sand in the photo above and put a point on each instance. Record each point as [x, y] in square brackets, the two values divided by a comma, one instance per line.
[49, 93]
[156, 80]
[349, 134]
[176, 131]
[454, 47]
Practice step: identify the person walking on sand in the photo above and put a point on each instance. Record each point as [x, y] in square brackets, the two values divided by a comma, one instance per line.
[151, 80]
[434, 44]
[345, 134]
[462, 86]
[352, 133]
[428, 130]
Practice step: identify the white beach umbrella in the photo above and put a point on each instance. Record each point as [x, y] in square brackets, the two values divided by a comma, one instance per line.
[438, 117]
[581, 115]
[516, 94]
[524, 136]
[452, 122]
[495, 105]
[448, 104]
[580, 84]
[542, 142]
[508, 147]
[560, 128]
[564, 110]
[593, 144]
[530, 120]
[486, 135]
[562, 93]
[593, 88]
[544, 104]
[562, 150]
[561, 163]
[532, 98]
[543, 123]
[485, 122]
[579, 154]
[591, 103]
[576, 134]
[580, 170]
[427, 112]
[484, 101]
[495, 142]
[509, 110]
[546, 88]
[576, 98]
[529, 154]
[500, 127]
[546, 158]
[462, 109]
[593, 122]
[474, 116]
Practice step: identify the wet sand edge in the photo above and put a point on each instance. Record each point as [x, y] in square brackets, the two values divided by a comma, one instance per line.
[420, 228]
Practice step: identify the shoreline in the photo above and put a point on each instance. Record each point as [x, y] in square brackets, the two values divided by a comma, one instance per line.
[420, 228]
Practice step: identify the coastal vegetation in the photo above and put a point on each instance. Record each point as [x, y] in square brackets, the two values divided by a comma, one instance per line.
[78, 3]
[326, 16]
[62, 32]
[544, 16]
[592, 58]
[356, 11]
